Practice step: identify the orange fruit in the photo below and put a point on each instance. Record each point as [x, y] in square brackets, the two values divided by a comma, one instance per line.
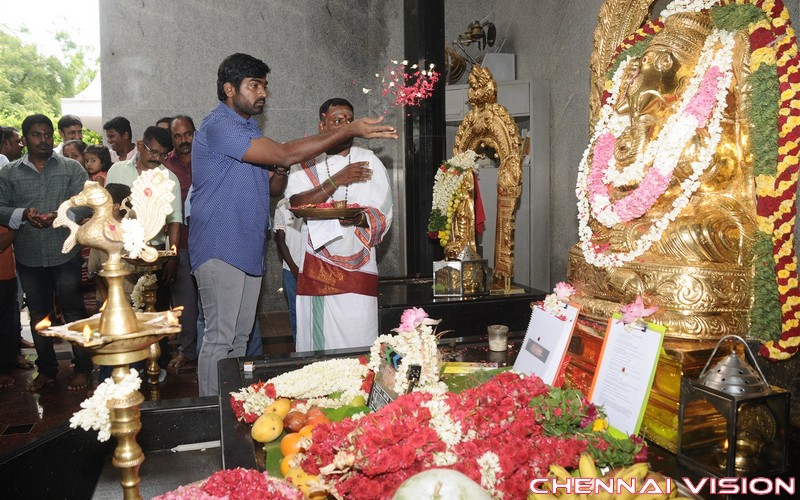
[289, 443]
[306, 431]
[285, 463]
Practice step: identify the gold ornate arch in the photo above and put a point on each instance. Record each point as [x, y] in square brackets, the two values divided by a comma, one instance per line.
[489, 124]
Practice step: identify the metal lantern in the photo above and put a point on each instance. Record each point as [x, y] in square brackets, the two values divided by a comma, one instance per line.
[466, 276]
[732, 423]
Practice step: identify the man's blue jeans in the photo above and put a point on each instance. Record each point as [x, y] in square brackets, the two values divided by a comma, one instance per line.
[43, 285]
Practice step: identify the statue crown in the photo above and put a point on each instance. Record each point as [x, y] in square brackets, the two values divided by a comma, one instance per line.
[683, 35]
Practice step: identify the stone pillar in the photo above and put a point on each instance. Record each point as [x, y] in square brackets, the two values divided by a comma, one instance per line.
[424, 132]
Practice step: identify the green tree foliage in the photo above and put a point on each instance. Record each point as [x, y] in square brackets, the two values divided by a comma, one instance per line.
[34, 83]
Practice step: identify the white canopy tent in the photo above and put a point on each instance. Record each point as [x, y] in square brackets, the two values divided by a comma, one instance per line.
[88, 105]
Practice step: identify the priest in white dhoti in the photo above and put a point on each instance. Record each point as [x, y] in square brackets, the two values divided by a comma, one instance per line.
[337, 288]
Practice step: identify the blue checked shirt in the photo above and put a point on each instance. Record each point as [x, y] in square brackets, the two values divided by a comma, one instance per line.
[230, 198]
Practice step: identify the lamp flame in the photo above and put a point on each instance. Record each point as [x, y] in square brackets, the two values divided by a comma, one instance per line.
[87, 333]
[43, 324]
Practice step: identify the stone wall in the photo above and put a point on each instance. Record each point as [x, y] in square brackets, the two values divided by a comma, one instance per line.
[161, 58]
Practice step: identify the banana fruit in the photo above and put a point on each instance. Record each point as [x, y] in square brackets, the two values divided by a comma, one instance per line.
[637, 474]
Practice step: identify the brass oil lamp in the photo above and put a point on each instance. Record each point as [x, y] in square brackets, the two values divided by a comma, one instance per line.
[118, 336]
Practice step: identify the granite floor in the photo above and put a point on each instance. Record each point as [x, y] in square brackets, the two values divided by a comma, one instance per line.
[25, 415]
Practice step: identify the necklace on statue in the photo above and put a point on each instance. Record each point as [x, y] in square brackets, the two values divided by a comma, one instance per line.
[328, 170]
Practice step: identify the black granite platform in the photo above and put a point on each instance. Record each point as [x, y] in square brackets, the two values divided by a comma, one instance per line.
[71, 463]
[465, 316]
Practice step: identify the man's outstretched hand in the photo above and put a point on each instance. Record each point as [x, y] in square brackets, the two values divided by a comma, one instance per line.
[371, 128]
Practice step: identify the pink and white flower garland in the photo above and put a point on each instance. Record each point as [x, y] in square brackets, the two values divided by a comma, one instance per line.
[702, 106]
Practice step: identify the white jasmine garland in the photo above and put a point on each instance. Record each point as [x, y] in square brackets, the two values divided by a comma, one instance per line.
[137, 294]
[552, 304]
[447, 181]
[489, 464]
[314, 383]
[449, 431]
[95, 412]
[317, 381]
[678, 6]
[665, 152]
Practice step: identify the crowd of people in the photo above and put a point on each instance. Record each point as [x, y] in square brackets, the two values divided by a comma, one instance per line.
[226, 171]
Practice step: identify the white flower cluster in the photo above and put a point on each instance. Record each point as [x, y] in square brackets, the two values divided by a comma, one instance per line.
[449, 431]
[417, 347]
[317, 381]
[137, 294]
[687, 6]
[95, 412]
[465, 160]
[552, 304]
[663, 153]
[254, 401]
[314, 383]
[489, 464]
[133, 237]
[447, 181]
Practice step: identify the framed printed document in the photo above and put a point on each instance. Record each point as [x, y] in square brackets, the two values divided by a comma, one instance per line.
[625, 373]
[546, 341]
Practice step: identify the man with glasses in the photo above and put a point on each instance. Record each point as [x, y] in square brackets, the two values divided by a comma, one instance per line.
[31, 190]
[151, 152]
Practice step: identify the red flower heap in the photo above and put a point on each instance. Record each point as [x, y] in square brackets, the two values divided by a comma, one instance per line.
[400, 440]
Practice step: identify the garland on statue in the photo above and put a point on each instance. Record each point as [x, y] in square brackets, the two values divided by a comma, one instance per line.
[775, 141]
[446, 193]
[701, 107]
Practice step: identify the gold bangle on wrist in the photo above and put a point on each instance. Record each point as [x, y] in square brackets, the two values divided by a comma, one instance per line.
[322, 186]
[330, 179]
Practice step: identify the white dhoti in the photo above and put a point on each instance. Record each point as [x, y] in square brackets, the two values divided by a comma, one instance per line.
[336, 321]
[337, 290]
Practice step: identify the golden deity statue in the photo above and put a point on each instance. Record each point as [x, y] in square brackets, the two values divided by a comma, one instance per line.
[682, 235]
[463, 222]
